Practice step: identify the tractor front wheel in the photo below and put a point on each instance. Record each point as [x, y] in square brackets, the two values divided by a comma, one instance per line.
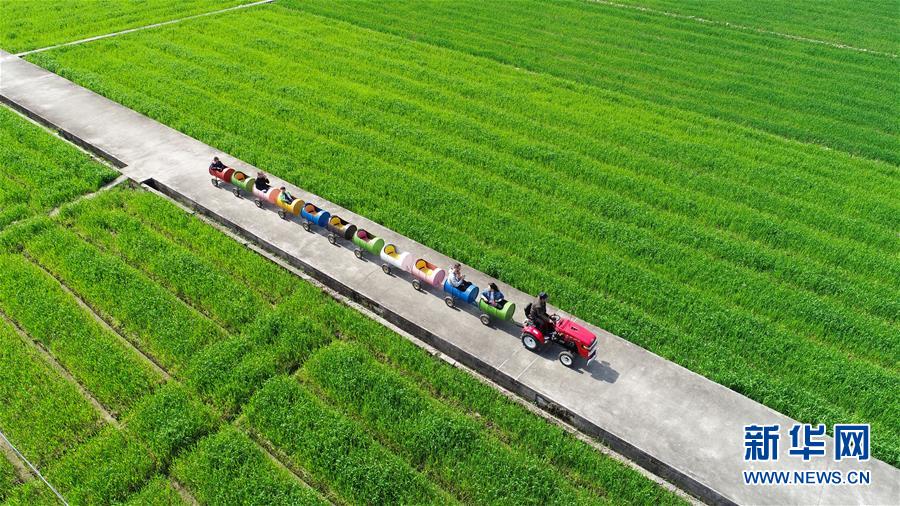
[529, 342]
[566, 359]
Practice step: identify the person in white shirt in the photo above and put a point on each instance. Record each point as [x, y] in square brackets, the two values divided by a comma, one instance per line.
[457, 279]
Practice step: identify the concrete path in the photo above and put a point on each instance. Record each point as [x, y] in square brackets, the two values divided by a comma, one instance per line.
[675, 423]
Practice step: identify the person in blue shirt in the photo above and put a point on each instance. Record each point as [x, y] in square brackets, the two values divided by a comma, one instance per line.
[493, 296]
[457, 279]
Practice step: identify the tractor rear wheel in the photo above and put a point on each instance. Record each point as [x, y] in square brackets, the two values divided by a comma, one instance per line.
[449, 301]
[417, 285]
[386, 269]
[529, 341]
[566, 359]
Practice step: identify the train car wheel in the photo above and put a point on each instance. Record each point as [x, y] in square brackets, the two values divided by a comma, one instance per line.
[306, 226]
[416, 284]
[332, 238]
[236, 192]
[282, 215]
[358, 253]
[449, 301]
[258, 203]
[215, 182]
[485, 320]
[386, 268]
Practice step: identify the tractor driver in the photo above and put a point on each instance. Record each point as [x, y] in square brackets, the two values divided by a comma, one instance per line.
[539, 315]
[262, 182]
[217, 165]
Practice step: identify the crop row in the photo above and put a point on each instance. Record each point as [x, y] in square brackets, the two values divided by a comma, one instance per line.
[8, 478]
[795, 89]
[228, 468]
[40, 172]
[684, 298]
[335, 449]
[31, 25]
[455, 449]
[844, 22]
[41, 412]
[146, 313]
[93, 355]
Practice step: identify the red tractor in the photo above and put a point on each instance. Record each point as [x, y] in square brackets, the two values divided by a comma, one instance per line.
[572, 336]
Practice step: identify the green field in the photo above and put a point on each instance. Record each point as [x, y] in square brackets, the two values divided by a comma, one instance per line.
[248, 357]
[873, 25]
[666, 198]
[33, 24]
[38, 172]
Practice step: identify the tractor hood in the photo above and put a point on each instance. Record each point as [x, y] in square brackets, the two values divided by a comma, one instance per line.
[582, 335]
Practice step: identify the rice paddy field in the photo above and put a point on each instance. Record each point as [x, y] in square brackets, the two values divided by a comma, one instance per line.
[725, 198]
[32, 24]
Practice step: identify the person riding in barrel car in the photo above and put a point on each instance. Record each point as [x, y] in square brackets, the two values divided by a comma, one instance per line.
[217, 165]
[286, 196]
[262, 182]
[457, 279]
[539, 317]
[493, 296]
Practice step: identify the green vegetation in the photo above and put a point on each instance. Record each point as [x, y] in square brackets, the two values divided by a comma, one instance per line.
[8, 478]
[193, 427]
[36, 302]
[228, 468]
[334, 448]
[41, 412]
[29, 24]
[39, 171]
[693, 224]
[157, 492]
[810, 92]
[869, 25]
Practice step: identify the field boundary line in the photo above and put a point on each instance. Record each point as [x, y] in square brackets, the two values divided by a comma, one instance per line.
[745, 28]
[141, 28]
[33, 469]
[183, 492]
[101, 321]
[374, 315]
[48, 357]
[23, 473]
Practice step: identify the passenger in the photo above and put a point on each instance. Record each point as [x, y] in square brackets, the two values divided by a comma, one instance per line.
[493, 296]
[457, 279]
[217, 165]
[262, 182]
[286, 197]
[539, 316]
